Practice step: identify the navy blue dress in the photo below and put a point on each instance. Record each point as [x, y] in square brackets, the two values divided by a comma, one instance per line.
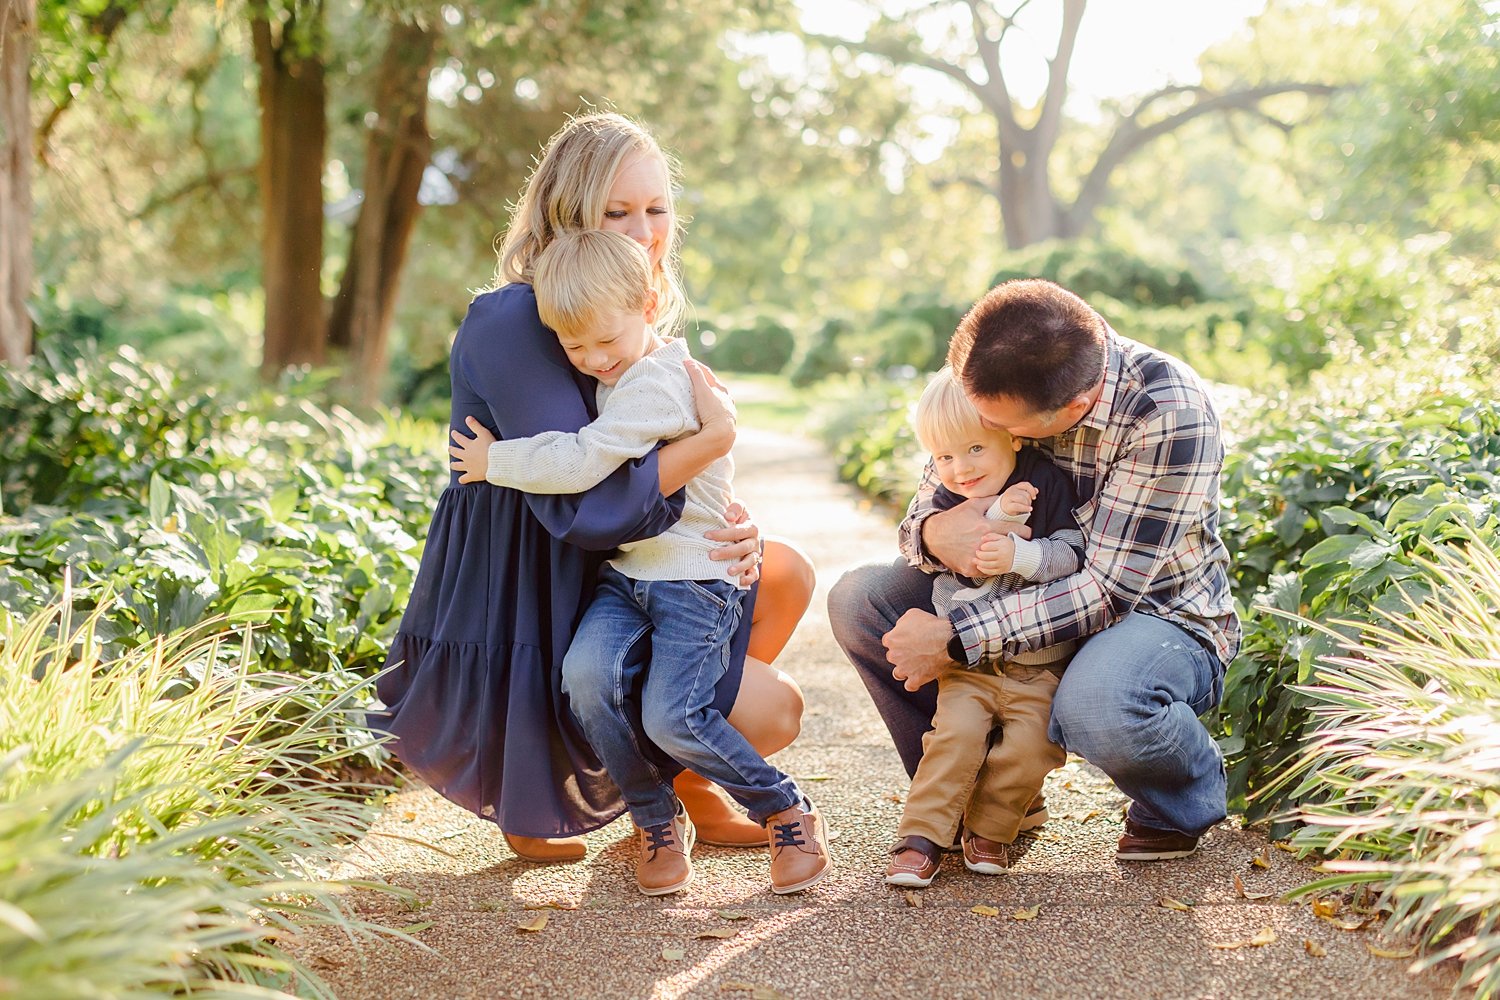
[474, 699]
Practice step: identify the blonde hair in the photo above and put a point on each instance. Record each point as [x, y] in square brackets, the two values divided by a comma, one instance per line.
[586, 273]
[569, 189]
[945, 415]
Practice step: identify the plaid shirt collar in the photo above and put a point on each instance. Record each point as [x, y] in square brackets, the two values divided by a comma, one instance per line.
[1099, 415]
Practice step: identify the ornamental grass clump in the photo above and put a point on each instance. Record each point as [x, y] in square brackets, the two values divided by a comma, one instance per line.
[1400, 783]
[162, 831]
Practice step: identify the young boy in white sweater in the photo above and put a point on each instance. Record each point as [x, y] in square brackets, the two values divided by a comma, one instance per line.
[594, 289]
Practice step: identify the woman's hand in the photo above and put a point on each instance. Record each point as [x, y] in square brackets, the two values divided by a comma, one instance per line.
[716, 412]
[471, 455]
[741, 544]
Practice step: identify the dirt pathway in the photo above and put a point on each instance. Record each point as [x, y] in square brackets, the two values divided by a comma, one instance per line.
[1095, 927]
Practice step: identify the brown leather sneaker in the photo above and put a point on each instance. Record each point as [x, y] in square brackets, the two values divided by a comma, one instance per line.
[914, 863]
[1144, 843]
[665, 860]
[987, 857]
[799, 849]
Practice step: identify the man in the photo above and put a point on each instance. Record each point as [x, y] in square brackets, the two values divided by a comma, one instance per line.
[1138, 434]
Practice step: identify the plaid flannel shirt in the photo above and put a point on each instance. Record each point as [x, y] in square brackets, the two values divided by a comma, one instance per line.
[1146, 459]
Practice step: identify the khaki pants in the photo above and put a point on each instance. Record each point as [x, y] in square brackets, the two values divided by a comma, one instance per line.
[963, 775]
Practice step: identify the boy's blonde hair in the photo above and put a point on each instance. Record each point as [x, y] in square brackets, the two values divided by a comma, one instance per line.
[586, 273]
[945, 415]
[569, 189]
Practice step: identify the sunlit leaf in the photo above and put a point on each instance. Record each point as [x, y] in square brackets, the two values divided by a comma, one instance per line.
[985, 911]
[1389, 952]
[1028, 913]
[533, 923]
[1313, 948]
[1167, 902]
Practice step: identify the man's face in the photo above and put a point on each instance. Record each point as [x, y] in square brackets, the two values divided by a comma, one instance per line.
[1019, 420]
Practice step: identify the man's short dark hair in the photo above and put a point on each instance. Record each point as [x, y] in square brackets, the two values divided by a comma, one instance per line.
[1031, 340]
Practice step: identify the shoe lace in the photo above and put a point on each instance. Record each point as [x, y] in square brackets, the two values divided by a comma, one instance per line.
[788, 834]
[658, 836]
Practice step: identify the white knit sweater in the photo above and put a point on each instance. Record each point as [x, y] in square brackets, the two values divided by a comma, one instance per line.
[651, 402]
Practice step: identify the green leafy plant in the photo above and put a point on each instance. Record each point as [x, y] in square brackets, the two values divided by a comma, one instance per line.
[1399, 781]
[161, 831]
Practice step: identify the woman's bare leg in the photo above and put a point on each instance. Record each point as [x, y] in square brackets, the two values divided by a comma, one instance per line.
[768, 709]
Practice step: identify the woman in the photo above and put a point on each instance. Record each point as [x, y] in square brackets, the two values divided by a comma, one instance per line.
[474, 700]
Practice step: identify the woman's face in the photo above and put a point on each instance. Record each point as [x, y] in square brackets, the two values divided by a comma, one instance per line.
[638, 205]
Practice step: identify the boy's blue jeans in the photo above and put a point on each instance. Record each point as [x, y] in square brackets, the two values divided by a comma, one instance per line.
[1128, 703]
[690, 623]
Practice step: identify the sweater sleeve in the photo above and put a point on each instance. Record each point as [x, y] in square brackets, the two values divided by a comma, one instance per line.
[513, 364]
[635, 417]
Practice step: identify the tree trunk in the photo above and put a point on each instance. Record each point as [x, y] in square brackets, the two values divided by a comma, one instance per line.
[293, 134]
[1028, 208]
[396, 154]
[17, 24]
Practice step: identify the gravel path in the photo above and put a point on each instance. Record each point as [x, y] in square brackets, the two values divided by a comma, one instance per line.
[1070, 921]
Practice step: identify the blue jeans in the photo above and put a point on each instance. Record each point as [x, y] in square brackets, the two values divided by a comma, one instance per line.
[690, 624]
[1128, 703]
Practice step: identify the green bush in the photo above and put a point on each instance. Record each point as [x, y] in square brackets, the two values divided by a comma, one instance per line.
[760, 343]
[162, 831]
[868, 430]
[823, 355]
[1399, 780]
[1324, 508]
[1090, 269]
[188, 504]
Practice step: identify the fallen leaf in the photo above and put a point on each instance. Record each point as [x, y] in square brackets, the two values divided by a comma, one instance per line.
[673, 954]
[490, 905]
[894, 797]
[1089, 815]
[723, 933]
[1167, 902]
[1239, 887]
[1030, 913]
[408, 816]
[732, 914]
[1388, 953]
[413, 928]
[1325, 907]
[1262, 859]
[1286, 846]
[533, 923]
[985, 911]
[1345, 923]
[913, 899]
[1263, 937]
[450, 834]
[818, 777]
[1314, 949]
[551, 904]
[1227, 945]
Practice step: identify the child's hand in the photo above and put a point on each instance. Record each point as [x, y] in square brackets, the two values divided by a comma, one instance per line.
[471, 455]
[716, 412]
[996, 555]
[1018, 499]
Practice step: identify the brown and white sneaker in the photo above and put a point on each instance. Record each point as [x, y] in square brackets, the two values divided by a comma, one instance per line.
[914, 863]
[664, 862]
[799, 848]
[1146, 843]
[987, 857]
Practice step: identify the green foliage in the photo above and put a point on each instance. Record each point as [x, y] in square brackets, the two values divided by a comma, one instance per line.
[161, 832]
[1324, 507]
[868, 429]
[189, 504]
[823, 355]
[756, 343]
[1090, 268]
[1398, 781]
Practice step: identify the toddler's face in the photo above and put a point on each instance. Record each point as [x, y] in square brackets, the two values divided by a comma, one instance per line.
[978, 463]
[614, 343]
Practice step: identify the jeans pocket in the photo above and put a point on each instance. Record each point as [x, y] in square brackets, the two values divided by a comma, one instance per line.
[707, 594]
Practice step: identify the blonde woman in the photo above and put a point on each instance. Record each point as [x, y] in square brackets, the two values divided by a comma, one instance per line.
[474, 700]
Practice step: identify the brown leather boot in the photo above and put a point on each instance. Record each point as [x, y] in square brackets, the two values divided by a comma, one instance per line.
[664, 861]
[546, 850]
[799, 848]
[716, 820]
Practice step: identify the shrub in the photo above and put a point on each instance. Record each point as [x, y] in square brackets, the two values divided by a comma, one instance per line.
[760, 344]
[824, 355]
[1090, 269]
[161, 830]
[1399, 780]
[869, 432]
[1324, 508]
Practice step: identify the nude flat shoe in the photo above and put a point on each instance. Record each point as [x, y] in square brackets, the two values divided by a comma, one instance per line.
[546, 850]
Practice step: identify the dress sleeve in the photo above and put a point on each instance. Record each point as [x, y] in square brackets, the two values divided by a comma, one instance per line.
[508, 359]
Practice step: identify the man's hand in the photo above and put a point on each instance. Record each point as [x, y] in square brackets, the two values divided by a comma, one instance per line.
[996, 555]
[918, 648]
[953, 536]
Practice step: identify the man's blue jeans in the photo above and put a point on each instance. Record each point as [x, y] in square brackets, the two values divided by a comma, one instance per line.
[1128, 703]
[690, 624]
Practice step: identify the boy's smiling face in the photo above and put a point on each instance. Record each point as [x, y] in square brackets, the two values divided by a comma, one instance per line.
[614, 341]
[976, 463]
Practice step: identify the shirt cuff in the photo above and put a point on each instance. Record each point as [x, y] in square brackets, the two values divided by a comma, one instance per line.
[1028, 557]
[996, 513]
[495, 471]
